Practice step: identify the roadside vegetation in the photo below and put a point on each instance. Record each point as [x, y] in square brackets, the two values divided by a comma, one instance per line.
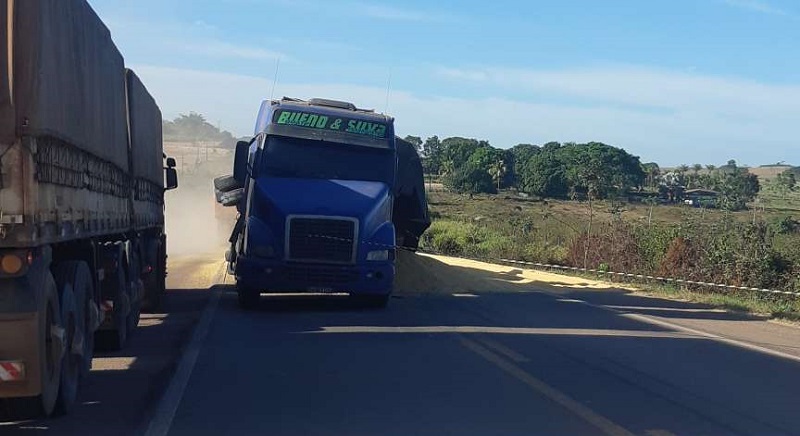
[595, 206]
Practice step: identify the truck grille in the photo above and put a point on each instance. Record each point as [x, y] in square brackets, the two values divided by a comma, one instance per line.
[329, 240]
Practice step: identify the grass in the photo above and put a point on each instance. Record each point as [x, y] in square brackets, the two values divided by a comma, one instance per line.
[783, 308]
[490, 227]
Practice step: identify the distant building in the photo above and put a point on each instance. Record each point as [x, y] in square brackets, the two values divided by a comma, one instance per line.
[701, 198]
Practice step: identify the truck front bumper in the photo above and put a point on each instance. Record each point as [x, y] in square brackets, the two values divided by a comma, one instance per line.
[268, 275]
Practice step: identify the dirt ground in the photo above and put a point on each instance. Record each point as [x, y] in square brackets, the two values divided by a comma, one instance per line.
[427, 274]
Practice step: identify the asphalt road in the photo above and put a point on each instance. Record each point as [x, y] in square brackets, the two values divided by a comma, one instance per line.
[465, 349]
[533, 358]
[123, 388]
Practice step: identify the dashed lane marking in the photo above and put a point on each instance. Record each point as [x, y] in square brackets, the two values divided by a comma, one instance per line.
[591, 417]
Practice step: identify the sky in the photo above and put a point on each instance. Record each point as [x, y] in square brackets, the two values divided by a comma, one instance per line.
[671, 81]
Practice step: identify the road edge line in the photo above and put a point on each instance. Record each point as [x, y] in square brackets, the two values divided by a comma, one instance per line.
[649, 319]
[161, 420]
[711, 336]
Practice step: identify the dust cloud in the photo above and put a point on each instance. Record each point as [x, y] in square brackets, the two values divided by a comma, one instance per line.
[195, 225]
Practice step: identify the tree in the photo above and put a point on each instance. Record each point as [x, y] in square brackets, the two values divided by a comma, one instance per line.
[736, 188]
[432, 152]
[785, 183]
[544, 175]
[498, 172]
[194, 127]
[470, 179]
[416, 141]
[652, 171]
[458, 150]
[519, 157]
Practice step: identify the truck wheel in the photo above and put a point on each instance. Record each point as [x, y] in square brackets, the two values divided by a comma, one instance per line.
[248, 298]
[51, 340]
[135, 291]
[114, 338]
[51, 345]
[75, 275]
[71, 362]
[370, 301]
[155, 281]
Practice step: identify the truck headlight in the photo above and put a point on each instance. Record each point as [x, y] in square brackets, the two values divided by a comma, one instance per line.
[378, 255]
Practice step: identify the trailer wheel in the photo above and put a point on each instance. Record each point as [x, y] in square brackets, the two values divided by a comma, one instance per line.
[114, 338]
[76, 276]
[155, 280]
[71, 362]
[51, 338]
[135, 290]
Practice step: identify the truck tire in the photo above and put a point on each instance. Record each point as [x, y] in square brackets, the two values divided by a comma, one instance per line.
[50, 354]
[226, 183]
[248, 297]
[75, 275]
[51, 347]
[115, 338]
[71, 362]
[135, 291]
[155, 280]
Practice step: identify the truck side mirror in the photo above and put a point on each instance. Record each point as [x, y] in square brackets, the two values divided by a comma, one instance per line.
[171, 162]
[172, 178]
[240, 162]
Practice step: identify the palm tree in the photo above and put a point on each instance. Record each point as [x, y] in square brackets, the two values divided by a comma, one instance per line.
[498, 171]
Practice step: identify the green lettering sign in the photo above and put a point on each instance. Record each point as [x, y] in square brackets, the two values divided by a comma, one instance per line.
[317, 121]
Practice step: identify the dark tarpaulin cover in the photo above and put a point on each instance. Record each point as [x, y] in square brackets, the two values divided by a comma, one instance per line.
[6, 109]
[145, 131]
[410, 216]
[69, 77]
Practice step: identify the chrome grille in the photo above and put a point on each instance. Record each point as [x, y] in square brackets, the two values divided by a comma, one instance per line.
[322, 239]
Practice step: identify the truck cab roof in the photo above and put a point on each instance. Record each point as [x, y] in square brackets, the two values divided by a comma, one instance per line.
[325, 120]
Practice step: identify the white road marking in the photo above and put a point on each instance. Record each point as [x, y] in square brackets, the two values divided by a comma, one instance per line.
[502, 349]
[666, 309]
[600, 422]
[697, 333]
[504, 331]
[711, 336]
[168, 406]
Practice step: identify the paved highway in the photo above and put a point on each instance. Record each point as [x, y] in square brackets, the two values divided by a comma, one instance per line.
[515, 358]
[466, 349]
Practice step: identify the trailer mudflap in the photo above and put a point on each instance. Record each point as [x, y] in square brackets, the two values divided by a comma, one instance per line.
[19, 355]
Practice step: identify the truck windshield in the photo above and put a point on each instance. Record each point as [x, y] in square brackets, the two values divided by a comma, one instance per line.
[309, 159]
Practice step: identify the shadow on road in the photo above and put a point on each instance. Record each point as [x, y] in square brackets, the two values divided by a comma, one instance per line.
[124, 385]
[316, 365]
[419, 274]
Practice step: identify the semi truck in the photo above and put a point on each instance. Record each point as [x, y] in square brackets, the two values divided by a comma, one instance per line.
[82, 181]
[326, 194]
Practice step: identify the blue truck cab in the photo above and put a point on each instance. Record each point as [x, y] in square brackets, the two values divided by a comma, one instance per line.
[317, 202]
